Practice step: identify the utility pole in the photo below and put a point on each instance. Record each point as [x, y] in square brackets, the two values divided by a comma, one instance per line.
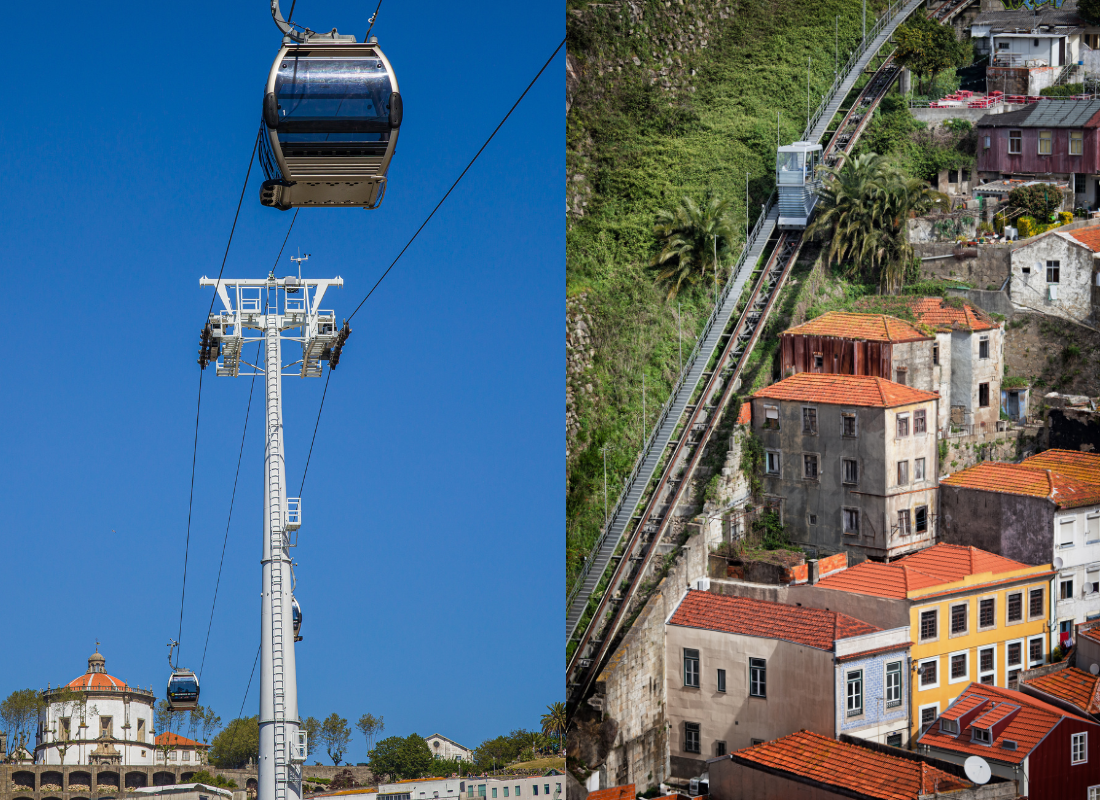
[643, 407]
[807, 91]
[604, 450]
[715, 237]
[256, 310]
[680, 336]
[864, 23]
[747, 202]
[836, 49]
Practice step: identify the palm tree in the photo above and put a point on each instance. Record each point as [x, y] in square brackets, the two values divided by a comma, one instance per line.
[865, 208]
[690, 238]
[554, 721]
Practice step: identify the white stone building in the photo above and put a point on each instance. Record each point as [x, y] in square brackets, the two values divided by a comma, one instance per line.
[96, 719]
[550, 786]
[445, 748]
[180, 750]
[1057, 273]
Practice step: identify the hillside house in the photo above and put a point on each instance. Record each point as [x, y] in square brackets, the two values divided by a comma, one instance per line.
[1044, 510]
[1029, 48]
[742, 671]
[1050, 752]
[1058, 273]
[850, 462]
[1053, 139]
[1068, 687]
[953, 349]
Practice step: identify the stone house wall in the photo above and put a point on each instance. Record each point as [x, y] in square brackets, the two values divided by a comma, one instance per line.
[1029, 286]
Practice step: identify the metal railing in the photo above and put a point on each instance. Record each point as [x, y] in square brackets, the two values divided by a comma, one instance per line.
[895, 8]
[689, 363]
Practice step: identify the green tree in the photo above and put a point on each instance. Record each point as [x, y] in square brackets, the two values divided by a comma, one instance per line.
[236, 744]
[864, 210]
[927, 48]
[19, 716]
[1039, 201]
[166, 720]
[554, 721]
[400, 758]
[370, 726]
[495, 753]
[312, 727]
[1089, 11]
[336, 735]
[691, 238]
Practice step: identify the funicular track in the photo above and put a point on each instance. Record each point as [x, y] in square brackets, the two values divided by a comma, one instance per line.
[687, 423]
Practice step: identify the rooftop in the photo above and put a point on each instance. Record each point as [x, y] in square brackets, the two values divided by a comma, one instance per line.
[1070, 685]
[1025, 19]
[1047, 114]
[1084, 467]
[96, 677]
[918, 573]
[868, 327]
[614, 793]
[850, 767]
[1031, 724]
[1027, 480]
[942, 314]
[175, 740]
[845, 390]
[1089, 237]
[812, 627]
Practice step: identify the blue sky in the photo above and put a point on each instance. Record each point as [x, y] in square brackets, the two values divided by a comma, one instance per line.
[430, 565]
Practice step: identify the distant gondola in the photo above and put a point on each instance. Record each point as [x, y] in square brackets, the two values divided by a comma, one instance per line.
[183, 690]
[331, 114]
[296, 615]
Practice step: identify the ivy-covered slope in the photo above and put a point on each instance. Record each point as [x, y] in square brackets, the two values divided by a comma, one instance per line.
[665, 98]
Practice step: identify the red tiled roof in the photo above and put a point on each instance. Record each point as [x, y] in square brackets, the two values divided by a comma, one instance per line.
[964, 705]
[1084, 467]
[933, 566]
[1090, 631]
[851, 767]
[175, 740]
[866, 327]
[96, 680]
[744, 414]
[845, 390]
[812, 627]
[1029, 727]
[614, 793]
[1025, 479]
[1089, 237]
[938, 313]
[1072, 685]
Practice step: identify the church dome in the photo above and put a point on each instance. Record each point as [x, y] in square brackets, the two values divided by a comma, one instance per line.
[96, 677]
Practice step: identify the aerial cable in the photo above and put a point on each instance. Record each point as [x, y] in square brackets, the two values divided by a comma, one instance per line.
[459, 178]
[373, 17]
[194, 454]
[240, 456]
[249, 687]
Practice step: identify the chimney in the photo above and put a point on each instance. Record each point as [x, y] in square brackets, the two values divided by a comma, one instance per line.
[814, 572]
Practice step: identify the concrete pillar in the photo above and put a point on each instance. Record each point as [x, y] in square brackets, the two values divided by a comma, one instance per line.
[905, 82]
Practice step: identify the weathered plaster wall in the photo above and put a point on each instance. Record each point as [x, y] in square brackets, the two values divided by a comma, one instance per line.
[1074, 287]
[794, 672]
[1013, 526]
[989, 266]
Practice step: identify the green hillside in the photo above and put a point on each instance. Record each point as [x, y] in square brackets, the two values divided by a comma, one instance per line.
[649, 124]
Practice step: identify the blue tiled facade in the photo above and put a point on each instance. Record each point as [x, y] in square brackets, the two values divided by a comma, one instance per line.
[875, 712]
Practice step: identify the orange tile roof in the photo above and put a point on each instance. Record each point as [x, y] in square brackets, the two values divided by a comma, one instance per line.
[175, 740]
[96, 680]
[1084, 467]
[1023, 479]
[812, 627]
[1089, 237]
[744, 414]
[866, 327]
[1030, 726]
[1072, 685]
[614, 793]
[850, 767]
[844, 390]
[1090, 630]
[940, 314]
[933, 566]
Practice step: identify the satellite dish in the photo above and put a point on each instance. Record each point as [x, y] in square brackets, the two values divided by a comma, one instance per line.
[1058, 563]
[1095, 669]
[977, 769]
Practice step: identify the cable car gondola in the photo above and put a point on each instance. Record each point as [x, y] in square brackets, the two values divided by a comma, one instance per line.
[183, 686]
[331, 114]
[296, 616]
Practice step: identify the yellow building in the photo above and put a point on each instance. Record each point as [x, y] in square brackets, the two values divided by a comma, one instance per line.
[973, 616]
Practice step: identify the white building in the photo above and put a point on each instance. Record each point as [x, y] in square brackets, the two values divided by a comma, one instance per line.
[442, 747]
[181, 750]
[1056, 273]
[550, 786]
[96, 719]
